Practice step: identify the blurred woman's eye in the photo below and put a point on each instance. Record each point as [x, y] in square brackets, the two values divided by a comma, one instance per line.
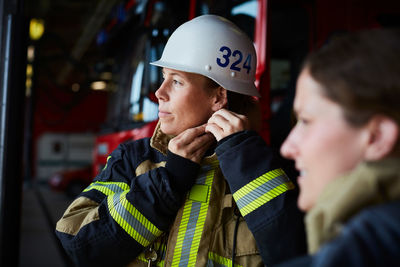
[176, 82]
[302, 121]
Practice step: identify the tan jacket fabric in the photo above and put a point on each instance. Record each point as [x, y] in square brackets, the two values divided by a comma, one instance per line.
[369, 184]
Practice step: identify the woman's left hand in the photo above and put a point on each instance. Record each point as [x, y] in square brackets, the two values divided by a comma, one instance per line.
[224, 123]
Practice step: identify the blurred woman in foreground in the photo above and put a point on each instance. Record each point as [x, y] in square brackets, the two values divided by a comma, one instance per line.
[346, 148]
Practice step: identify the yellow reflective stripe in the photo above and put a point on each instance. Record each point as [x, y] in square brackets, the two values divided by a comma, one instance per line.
[266, 197]
[160, 263]
[192, 222]
[107, 188]
[217, 260]
[181, 234]
[261, 190]
[105, 167]
[131, 220]
[257, 182]
[142, 257]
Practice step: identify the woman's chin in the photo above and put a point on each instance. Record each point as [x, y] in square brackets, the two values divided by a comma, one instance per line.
[303, 204]
[166, 129]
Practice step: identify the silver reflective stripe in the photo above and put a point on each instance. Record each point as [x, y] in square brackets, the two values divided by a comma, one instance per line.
[262, 190]
[131, 220]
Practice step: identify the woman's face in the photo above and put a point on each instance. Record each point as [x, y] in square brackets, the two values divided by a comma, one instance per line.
[184, 101]
[323, 145]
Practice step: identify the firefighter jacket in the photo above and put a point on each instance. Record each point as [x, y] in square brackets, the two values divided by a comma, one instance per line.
[356, 221]
[150, 204]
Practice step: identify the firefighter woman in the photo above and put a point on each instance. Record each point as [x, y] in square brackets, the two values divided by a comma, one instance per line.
[179, 198]
[347, 150]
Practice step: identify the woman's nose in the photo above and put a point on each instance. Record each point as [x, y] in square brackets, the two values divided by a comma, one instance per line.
[161, 92]
[288, 148]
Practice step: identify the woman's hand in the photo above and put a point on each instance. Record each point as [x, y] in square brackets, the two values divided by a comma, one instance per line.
[191, 143]
[224, 123]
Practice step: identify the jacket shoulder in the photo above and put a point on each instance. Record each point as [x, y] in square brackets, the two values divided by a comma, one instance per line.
[123, 161]
[382, 218]
[369, 238]
[141, 150]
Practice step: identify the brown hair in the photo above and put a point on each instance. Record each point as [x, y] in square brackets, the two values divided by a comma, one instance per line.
[361, 72]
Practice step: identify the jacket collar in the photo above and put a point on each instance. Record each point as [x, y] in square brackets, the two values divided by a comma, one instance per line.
[371, 183]
[160, 140]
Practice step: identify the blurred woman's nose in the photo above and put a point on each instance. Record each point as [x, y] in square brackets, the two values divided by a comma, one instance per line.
[161, 92]
[289, 148]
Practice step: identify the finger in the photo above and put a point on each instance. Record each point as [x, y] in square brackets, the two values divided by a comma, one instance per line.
[194, 150]
[187, 136]
[227, 114]
[199, 142]
[230, 119]
[191, 133]
[197, 155]
[219, 120]
[217, 131]
[230, 115]
[229, 124]
[186, 144]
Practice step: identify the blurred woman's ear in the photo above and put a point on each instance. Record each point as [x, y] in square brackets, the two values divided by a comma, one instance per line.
[221, 98]
[384, 135]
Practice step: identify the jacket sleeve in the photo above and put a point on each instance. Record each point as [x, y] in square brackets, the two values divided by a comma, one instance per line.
[120, 214]
[265, 196]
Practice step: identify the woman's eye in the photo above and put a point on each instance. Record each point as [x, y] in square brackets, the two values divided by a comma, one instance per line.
[302, 121]
[176, 82]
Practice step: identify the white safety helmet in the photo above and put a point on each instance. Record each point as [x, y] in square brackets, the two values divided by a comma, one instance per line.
[213, 46]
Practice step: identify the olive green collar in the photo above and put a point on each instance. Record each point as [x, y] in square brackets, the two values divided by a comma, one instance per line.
[160, 140]
[369, 184]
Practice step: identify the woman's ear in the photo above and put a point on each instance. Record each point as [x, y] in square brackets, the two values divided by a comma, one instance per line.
[220, 99]
[384, 133]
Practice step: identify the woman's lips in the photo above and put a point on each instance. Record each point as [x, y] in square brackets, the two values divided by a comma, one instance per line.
[301, 177]
[163, 114]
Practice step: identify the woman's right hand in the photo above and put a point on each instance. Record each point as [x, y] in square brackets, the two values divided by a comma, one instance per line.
[192, 143]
